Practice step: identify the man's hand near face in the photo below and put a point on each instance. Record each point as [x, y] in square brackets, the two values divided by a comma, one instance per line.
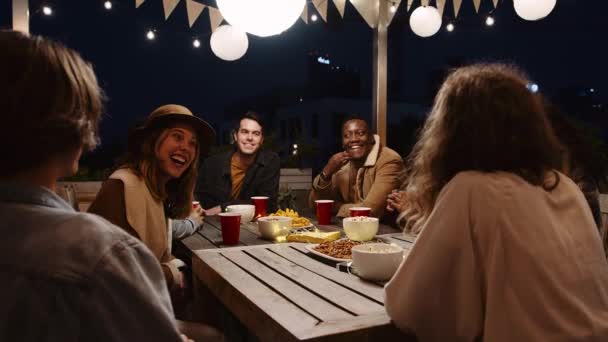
[335, 163]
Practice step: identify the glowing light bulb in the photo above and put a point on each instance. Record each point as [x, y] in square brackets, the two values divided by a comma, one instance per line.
[490, 21]
[393, 8]
[450, 27]
[533, 87]
[314, 17]
[196, 43]
[47, 10]
[150, 35]
[108, 5]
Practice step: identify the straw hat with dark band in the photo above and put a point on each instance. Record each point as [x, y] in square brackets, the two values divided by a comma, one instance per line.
[166, 115]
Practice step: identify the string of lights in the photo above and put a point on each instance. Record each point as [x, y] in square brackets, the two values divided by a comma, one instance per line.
[488, 19]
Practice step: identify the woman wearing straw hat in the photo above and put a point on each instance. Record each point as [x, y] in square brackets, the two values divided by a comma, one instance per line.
[155, 182]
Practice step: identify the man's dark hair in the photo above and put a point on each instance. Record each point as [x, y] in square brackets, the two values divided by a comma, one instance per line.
[251, 115]
[353, 117]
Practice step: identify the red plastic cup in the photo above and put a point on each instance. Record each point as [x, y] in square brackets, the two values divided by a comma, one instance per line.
[260, 203]
[360, 211]
[231, 227]
[195, 204]
[324, 211]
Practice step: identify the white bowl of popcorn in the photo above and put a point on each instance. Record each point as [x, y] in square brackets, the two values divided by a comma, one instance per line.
[360, 228]
[377, 261]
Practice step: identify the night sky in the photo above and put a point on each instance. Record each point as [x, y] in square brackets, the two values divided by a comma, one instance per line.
[568, 48]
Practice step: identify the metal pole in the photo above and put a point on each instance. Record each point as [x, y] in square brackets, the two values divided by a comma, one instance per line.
[380, 66]
[21, 16]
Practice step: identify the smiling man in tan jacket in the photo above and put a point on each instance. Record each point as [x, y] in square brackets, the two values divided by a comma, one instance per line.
[360, 176]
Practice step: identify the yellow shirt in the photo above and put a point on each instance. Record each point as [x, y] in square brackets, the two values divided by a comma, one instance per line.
[237, 174]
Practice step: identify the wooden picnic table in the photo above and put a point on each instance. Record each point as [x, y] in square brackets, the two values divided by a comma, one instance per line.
[281, 292]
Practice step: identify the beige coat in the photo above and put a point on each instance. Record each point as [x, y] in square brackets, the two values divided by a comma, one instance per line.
[125, 200]
[372, 184]
[502, 260]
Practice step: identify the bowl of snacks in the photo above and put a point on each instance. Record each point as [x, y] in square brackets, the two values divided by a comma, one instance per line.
[297, 220]
[376, 261]
[272, 227]
[360, 228]
[246, 211]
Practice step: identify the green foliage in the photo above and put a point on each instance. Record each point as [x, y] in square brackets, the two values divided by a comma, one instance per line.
[287, 199]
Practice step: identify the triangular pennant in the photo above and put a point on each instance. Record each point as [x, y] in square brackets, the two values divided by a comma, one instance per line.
[424, 3]
[457, 4]
[138, 3]
[440, 6]
[409, 4]
[476, 3]
[368, 9]
[340, 5]
[194, 9]
[169, 6]
[321, 6]
[391, 14]
[304, 14]
[495, 2]
[215, 17]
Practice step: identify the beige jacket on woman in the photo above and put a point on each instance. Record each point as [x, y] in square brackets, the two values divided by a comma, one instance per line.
[125, 200]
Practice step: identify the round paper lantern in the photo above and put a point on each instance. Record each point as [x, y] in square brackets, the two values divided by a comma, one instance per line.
[533, 9]
[425, 21]
[261, 17]
[229, 43]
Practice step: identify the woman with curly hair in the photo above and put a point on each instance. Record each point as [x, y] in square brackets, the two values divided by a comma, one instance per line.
[507, 248]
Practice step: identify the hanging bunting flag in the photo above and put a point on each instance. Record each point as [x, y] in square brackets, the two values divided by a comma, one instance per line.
[476, 3]
[368, 10]
[391, 14]
[304, 15]
[215, 18]
[321, 6]
[457, 4]
[194, 9]
[440, 6]
[409, 4]
[138, 3]
[495, 3]
[340, 5]
[169, 6]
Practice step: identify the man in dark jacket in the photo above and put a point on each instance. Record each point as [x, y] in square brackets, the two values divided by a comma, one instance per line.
[245, 171]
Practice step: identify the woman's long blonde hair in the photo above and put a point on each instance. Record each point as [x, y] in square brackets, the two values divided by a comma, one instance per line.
[177, 194]
[485, 119]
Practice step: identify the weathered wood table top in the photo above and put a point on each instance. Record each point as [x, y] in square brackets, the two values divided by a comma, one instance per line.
[281, 292]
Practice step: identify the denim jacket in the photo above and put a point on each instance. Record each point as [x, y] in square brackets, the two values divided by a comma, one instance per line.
[69, 276]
